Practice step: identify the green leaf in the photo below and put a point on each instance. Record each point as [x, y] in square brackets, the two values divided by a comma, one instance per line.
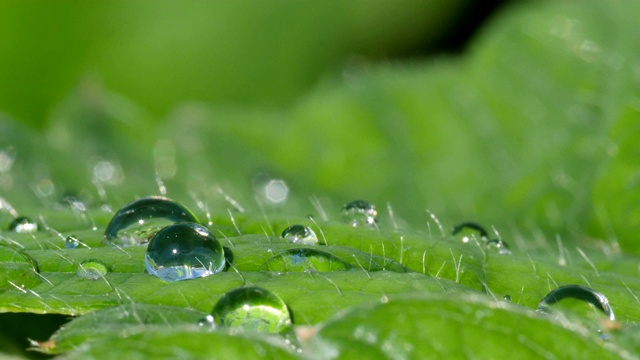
[184, 343]
[118, 322]
[58, 288]
[530, 133]
[431, 326]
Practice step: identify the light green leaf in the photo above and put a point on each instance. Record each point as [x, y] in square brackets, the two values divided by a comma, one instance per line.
[454, 327]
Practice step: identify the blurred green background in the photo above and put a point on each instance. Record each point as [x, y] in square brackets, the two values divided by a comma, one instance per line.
[159, 53]
[523, 126]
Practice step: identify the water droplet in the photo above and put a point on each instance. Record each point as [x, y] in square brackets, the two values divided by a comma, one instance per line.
[253, 308]
[23, 225]
[360, 213]
[578, 292]
[470, 231]
[184, 251]
[71, 242]
[92, 269]
[300, 260]
[137, 222]
[498, 246]
[300, 234]
[207, 322]
[507, 298]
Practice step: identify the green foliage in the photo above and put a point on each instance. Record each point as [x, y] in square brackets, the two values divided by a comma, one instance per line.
[531, 132]
[162, 52]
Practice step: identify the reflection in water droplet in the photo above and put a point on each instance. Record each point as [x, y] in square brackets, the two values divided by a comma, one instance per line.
[137, 222]
[360, 213]
[300, 234]
[578, 292]
[300, 260]
[23, 225]
[184, 251]
[498, 246]
[253, 308]
[71, 242]
[468, 231]
[92, 269]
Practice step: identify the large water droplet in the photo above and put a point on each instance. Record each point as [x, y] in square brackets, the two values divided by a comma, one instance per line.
[300, 234]
[360, 213]
[253, 308]
[137, 222]
[470, 231]
[300, 260]
[184, 251]
[23, 224]
[578, 292]
[92, 269]
[498, 246]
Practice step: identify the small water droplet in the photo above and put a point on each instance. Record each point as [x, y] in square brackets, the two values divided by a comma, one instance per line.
[578, 292]
[470, 232]
[360, 213]
[137, 222]
[498, 246]
[253, 308]
[92, 269]
[300, 260]
[300, 234]
[23, 224]
[71, 242]
[507, 298]
[207, 322]
[184, 251]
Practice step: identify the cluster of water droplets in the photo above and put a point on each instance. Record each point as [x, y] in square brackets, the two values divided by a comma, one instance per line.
[178, 247]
